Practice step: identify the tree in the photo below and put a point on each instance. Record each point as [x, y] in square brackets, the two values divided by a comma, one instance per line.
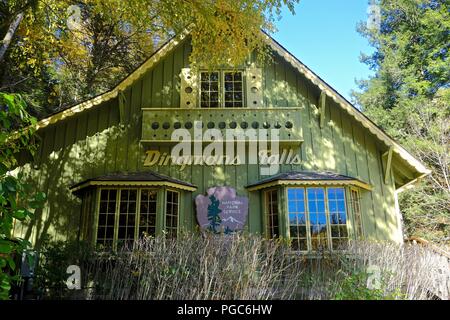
[17, 200]
[409, 97]
[64, 51]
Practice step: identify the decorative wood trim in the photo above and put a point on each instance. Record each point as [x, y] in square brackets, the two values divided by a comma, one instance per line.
[411, 183]
[322, 85]
[356, 183]
[281, 142]
[149, 63]
[243, 109]
[387, 170]
[134, 184]
[358, 115]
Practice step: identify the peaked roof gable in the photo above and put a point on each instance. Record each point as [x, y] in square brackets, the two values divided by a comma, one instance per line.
[280, 50]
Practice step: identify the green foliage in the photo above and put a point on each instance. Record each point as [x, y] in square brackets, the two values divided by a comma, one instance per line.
[355, 287]
[54, 258]
[60, 56]
[17, 200]
[409, 97]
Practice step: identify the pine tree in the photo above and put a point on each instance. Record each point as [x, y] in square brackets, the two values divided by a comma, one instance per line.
[213, 214]
[409, 97]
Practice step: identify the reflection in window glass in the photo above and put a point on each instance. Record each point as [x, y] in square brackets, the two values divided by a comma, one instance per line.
[271, 199]
[172, 204]
[356, 206]
[127, 216]
[297, 218]
[338, 217]
[317, 218]
[106, 217]
[147, 218]
[209, 89]
[233, 89]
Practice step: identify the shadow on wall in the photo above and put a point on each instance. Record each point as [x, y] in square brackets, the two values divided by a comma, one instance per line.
[71, 152]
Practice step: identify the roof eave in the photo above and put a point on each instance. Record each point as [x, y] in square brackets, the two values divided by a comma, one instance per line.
[358, 115]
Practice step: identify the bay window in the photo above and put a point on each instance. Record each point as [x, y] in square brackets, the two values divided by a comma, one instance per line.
[127, 214]
[271, 213]
[317, 217]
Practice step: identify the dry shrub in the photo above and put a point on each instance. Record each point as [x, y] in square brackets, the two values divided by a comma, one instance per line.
[193, 267]
[377, 270]
[250, 267]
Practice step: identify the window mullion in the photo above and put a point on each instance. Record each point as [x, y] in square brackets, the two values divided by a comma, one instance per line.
[327, 215]
[308, 222]
[116, 221]
[221, 89]
[96, 217]
[138, 214]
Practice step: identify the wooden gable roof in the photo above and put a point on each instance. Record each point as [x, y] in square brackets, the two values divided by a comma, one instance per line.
[326, 91]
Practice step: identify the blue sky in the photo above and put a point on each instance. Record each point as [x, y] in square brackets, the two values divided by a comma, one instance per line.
[322, 34]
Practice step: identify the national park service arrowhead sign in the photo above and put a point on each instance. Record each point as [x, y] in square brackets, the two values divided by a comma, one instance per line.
[221, 210]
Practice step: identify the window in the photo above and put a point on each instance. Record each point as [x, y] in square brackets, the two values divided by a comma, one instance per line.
[221, 89]
[317, 218]
[271, 207]
[126, 214]
[356, 207]
[338, 217]
[147, 218]
[297, 219]
[107, 217]
[209, 87]
[172, 213]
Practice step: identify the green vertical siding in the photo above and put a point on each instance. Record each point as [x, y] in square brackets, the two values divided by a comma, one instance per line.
[94, 143]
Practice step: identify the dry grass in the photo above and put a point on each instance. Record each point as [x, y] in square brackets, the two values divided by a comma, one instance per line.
[249, 267]
[191, 267]
[410, 272]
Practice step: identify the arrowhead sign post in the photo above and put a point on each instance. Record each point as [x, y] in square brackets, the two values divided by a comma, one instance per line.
[221, 210]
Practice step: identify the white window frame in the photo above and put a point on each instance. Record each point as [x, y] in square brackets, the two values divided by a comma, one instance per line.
[222, 88]
[327, 214]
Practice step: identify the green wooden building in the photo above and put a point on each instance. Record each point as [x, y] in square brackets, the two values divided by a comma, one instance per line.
[98, 163]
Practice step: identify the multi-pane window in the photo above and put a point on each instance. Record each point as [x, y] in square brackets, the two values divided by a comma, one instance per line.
[233, 89]
[271, 207]
[126, 214]
[221, 89]
[297, 219]
[317, 218]
[172, 205]
[147, 217]
[338, 217]
[209, 89]
[107, 217]
[356, 207]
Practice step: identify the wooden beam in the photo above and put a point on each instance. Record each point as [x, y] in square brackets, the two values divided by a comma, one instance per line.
[122, 101]
[387, 170]
[322, 104]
